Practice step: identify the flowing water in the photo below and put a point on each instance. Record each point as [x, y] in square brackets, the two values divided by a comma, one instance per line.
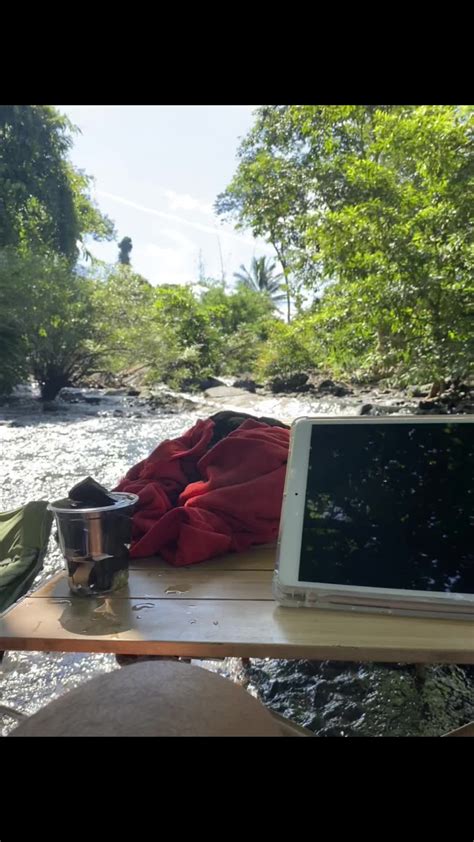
[44, 454]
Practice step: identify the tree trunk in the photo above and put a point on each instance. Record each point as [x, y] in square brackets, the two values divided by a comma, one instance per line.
[52, 386]
[285, 273]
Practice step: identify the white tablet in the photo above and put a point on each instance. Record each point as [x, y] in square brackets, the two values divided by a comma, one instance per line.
[378, 515]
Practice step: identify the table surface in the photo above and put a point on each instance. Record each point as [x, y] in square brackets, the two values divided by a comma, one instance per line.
[217, 609]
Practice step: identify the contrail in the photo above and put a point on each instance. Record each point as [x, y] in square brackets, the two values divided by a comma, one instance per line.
[171, 216]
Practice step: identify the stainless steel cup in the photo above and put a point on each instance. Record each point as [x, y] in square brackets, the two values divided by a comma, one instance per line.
[95, 543]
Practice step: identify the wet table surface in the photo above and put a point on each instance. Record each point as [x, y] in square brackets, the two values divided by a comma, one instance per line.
[221, 608]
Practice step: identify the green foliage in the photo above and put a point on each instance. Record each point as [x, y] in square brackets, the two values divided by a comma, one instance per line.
[402, 248]
[13, 365]
[58, 341]
[244, 318]
[189, 346]
[44, 201]
[124, 307]
[60, 326]
[268, 196]
[207, 335]
[368, 208]
[262, 278]
[290, 348]
[183, 336]
[373, 206]
[229, 310]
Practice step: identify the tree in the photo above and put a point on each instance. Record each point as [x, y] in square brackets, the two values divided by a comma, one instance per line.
[124, 304]
[63, 340]
[261, 278]
[229, 310]
[55, 323]
[125, 248]
[244, 319]
[268, 196]
[371, 206]
[45, 203]
[13, 363]
[190, 342]
[399, 241]
[187, 335]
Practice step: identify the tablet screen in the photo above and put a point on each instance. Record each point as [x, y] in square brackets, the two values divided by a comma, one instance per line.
[390, 506]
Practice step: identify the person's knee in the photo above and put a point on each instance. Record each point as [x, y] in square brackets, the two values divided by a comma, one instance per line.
[154, 699]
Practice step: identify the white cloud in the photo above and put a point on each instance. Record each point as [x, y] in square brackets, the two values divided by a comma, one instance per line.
[183, 201]
[180, 239]
[170, 264]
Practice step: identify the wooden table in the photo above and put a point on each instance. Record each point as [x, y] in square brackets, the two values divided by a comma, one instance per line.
[221, 608]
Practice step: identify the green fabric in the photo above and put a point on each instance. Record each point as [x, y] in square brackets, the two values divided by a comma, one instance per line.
[24, 535]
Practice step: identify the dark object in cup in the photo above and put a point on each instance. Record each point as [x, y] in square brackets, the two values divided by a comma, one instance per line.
[89, 492]
[95, 542]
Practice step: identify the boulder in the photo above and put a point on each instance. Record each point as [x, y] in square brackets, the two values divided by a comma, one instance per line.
[419, 391]
[331, 387]
[209, 383]
[116, 393]
[223, 392]
[431, 407]
[246, 383]
[69, 394]
[193, 383]
[297, 382]
[168, 403]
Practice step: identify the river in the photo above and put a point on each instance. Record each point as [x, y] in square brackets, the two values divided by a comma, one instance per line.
[45, 453]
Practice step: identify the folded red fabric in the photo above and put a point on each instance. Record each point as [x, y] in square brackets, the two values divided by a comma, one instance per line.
[197, 502]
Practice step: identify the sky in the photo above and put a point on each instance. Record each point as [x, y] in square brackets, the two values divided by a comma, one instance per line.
[158, 170]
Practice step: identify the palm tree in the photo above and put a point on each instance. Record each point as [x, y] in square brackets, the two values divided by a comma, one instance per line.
[261, 278]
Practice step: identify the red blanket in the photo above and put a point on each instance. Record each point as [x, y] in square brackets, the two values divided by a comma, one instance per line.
[196, 502]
